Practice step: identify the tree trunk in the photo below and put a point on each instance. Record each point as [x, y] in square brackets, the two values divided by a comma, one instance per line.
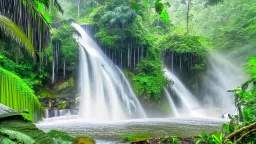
[188, 9]
[78, 8]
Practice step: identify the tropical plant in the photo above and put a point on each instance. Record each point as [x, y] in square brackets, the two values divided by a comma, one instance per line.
[120, 16]
[33, 31]
[12, 30]
[15, 129]
[17, 95]
[243, 125]
[213, 138]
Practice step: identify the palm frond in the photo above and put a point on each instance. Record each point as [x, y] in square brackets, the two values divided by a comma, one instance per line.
[57, 6]
[48, 3]
[25, 15]
[12, 30]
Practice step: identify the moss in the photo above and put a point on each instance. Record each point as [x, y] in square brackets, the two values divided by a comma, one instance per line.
[136, 138]
[44, 92]
[69, 83]
[83, 140]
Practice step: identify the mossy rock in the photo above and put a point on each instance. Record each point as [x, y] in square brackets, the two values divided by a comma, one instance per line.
[83, 140]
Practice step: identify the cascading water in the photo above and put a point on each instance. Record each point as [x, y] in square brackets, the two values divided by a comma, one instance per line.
[222, 75]
[105, 93]
[187, 100]
[174, 110]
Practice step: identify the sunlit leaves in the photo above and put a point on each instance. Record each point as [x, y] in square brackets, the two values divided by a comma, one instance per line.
[226, 128]
[165, 16]
[159, 7]
[147, 4]
[251, 67]
[167, 4]
[17, 95]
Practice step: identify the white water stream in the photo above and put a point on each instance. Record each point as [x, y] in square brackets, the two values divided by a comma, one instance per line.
[105, 93]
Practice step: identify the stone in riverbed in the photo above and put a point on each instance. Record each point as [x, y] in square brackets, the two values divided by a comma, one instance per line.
[83, 140]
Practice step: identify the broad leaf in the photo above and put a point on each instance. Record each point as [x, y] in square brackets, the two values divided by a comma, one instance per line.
[15, 128]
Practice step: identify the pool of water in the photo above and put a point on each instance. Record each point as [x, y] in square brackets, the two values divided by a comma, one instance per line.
[114, 130]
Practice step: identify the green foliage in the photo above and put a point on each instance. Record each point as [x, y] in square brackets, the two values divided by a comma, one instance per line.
[16, 33]
[242, 125]
[106, 38]
[68, 49]
[150, 81]
[229, 25]
[25, 14]
[159, 7]
[60, 135]
[119, 16]
[24, 69]
[198, 66]
[182, 43]
[213, 138]
[68, 83]
[15, 129]
[16, 94]
[137, 137]
[170, 140]
[246, 96]
[165, 16]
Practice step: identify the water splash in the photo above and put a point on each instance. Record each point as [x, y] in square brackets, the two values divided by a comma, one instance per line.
[105, 93]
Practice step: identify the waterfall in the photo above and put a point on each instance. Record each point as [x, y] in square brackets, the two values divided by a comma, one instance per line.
[174, 110]
[105, 93]
[55, 60]
[53, 70]
[222, 75]
[213, 100]
[188, 100]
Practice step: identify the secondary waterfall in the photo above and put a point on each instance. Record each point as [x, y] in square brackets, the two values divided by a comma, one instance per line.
[174, 110]
[222, 74]
[105, 93]
[188, 103]
[213, 100]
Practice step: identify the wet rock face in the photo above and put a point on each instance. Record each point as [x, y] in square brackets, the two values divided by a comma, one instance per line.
[83, 140]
